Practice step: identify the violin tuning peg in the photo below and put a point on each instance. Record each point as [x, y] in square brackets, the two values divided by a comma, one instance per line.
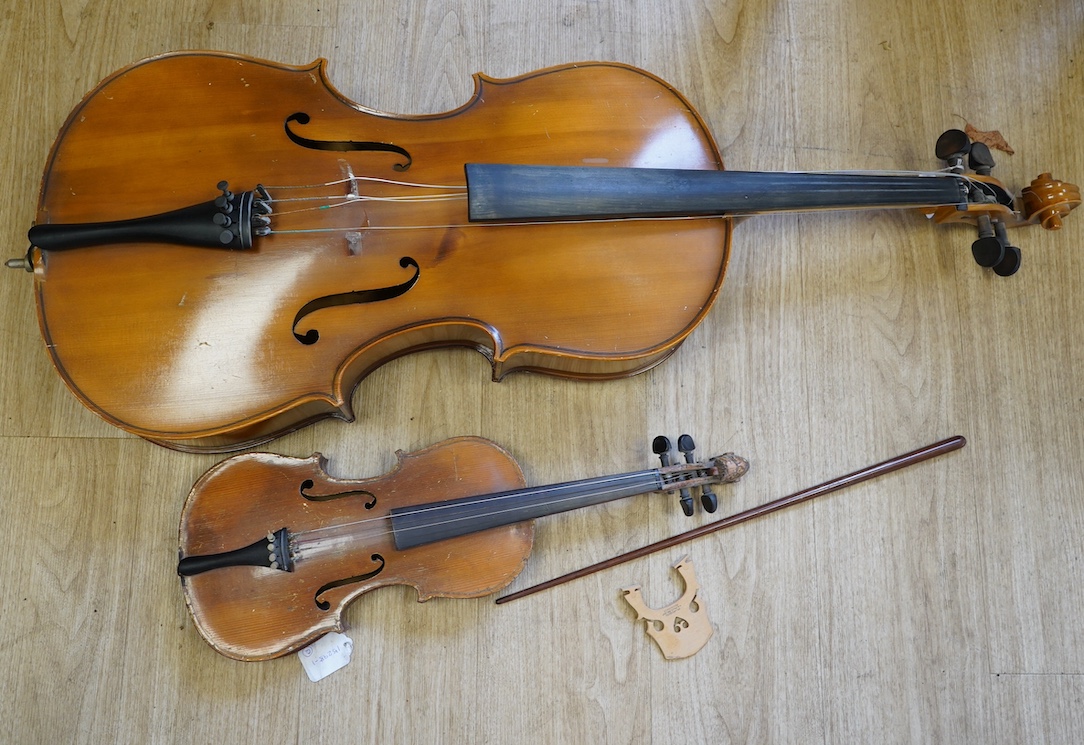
[709, 501]
[661, 447]
[686, 503]
[687, 446]
[980, 159]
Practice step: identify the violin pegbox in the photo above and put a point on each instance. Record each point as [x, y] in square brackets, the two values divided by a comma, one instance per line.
[687, 477]
[992, 209]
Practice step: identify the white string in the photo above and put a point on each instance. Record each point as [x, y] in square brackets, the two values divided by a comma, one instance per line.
[498, 497]
[353, 199]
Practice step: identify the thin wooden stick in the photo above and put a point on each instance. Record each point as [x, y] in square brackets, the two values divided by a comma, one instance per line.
[870, 472]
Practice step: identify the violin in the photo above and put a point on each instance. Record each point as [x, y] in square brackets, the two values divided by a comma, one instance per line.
[224, 247]
[272, 549]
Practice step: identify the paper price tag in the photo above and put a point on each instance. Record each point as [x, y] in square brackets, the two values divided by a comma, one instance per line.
[326, 655]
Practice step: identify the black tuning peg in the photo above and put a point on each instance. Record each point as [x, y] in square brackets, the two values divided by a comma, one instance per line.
[686, 446]
[980, 158]
[992, 250]
[988, 250]
[1010, 262]
[660, 446]
[952, 147]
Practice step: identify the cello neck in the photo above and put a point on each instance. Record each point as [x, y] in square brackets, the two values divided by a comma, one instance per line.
[498, 192]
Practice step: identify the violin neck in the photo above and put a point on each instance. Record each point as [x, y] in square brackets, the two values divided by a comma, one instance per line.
[498, 192]
[437, 521]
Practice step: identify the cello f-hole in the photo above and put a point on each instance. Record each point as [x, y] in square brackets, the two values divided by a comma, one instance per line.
[356, 297]
[340, 146]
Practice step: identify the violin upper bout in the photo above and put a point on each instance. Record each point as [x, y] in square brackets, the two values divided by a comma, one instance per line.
[1047, 200]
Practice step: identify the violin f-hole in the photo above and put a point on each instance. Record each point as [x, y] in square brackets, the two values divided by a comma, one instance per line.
[324, 605]
[309, 483]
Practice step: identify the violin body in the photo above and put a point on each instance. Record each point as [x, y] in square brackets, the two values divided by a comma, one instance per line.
[255, 612]
[205, 349]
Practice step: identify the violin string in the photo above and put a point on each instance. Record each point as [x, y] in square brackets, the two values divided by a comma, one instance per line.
[303, 540]
[493, 497]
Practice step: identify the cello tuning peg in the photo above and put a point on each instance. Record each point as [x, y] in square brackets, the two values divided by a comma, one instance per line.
[988, 251]
[980, 159]
[952, 147]
[1010, 262]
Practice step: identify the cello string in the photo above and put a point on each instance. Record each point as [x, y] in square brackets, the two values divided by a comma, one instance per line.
[537, 223]
[354, 198]
[353, 180]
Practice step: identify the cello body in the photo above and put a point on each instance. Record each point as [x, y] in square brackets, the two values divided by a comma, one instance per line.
[205, 349]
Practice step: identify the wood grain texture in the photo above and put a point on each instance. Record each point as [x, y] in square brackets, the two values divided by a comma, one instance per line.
[939, 604]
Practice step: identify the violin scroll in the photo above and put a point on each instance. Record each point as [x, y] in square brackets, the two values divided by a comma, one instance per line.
[723, 469]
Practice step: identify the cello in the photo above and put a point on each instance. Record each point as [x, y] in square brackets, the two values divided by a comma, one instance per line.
[225, 247]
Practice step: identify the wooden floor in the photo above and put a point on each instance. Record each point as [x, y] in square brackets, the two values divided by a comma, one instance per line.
[937, 604]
